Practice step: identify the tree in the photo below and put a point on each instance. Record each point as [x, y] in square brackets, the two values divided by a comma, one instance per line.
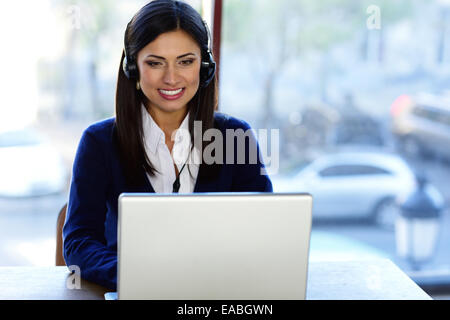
[274, 33]
[87, 22]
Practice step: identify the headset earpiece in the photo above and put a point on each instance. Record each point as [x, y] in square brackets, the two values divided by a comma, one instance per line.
[208, 67]
[130, 67]
[208, 70]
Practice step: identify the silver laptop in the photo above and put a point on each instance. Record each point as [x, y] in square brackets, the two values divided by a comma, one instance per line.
[213, 246]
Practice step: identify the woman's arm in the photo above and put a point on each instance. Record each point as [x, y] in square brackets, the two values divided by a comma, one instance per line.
[84, 229]
[250, 176]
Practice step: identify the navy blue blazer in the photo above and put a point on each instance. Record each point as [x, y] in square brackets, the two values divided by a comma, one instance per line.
[90, 229]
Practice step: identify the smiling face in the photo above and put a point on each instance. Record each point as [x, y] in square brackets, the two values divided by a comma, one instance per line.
[169, 72]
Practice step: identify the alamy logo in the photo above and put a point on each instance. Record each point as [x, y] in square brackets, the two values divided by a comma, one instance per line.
[74, 13]
[74, 280]
[374, 20]
[239, 146]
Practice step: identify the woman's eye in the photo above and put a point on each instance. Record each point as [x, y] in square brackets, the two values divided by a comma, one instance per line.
[153, 63]
[187, 62]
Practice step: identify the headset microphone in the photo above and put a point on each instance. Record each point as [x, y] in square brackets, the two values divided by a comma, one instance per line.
[176, 185]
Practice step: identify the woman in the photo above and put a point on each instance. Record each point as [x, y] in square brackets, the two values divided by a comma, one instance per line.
[166, 82]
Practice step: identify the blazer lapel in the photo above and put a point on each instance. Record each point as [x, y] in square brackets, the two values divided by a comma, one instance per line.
[144, 187]
[205, 185]
[147, 185]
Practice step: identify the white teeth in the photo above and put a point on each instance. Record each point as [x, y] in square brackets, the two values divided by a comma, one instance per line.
[170, 93]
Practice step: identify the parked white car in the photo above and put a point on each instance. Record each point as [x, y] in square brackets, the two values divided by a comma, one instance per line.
[29, 166]
[353, 184]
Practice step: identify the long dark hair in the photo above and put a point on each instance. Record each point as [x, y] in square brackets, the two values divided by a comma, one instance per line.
[148, 23]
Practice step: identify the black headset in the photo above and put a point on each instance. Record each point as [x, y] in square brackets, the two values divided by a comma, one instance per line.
[207, 68]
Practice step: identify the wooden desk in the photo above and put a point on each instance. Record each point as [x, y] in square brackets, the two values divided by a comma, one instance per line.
[377, 279]
[44, 283]
[362, 280]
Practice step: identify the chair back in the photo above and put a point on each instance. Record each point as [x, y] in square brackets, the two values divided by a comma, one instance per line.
[59, 239]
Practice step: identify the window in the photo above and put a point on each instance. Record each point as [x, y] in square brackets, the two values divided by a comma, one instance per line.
[351, 170]
[322, 73]
[18, 138]
[59, 76]
[326, 74]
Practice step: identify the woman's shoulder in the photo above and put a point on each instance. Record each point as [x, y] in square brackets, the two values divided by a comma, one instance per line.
[101, 126]
[225, 121]
[101, 131]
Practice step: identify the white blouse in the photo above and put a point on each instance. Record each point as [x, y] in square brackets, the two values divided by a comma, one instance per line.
[163, 161]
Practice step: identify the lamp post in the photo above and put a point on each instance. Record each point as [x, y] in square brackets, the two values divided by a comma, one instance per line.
[418, 224]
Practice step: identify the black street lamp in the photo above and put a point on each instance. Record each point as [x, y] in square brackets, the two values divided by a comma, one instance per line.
[418, 225]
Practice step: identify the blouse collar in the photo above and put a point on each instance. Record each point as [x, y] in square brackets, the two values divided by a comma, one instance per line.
[153, 135]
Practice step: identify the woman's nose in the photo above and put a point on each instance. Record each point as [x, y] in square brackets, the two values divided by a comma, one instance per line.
[171, 76]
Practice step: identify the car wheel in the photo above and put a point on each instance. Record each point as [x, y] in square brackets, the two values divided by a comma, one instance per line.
[385, 213]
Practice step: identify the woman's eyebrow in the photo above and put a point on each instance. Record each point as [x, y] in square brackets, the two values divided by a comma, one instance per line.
[162, 58]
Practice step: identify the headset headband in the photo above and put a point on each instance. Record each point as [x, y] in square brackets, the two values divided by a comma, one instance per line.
[207, 70]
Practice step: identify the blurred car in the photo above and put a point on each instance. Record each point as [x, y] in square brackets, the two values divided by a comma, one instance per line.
[29, 166]
[353, 184]
[421, 124]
